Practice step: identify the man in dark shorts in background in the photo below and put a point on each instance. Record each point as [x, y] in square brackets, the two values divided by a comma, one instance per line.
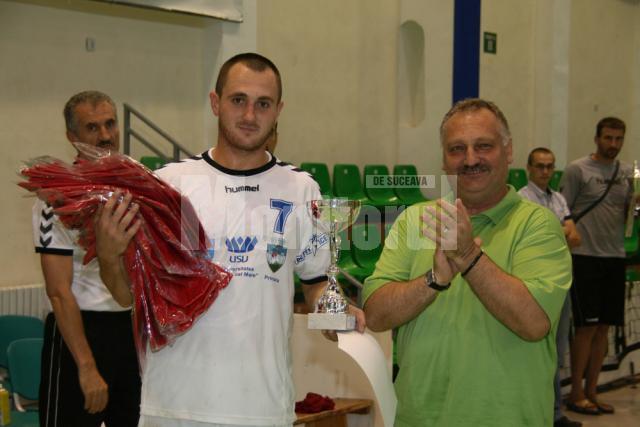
[597, 294]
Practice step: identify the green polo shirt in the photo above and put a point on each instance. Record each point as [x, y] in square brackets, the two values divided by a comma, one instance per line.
[459, 366]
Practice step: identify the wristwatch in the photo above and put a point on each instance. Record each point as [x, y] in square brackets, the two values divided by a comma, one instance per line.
[430, 280]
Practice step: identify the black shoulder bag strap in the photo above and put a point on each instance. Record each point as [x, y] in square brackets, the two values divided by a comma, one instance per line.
[577, 217]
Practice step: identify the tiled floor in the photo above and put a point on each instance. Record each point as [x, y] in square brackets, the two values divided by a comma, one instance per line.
[626, 400]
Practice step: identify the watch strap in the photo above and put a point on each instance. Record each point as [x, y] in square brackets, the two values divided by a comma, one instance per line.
[430, 280]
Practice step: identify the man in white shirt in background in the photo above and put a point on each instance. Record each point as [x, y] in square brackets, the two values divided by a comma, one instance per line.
[540, 167]
[89, 366]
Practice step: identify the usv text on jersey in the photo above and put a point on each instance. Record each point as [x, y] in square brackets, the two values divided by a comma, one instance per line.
[241, 188]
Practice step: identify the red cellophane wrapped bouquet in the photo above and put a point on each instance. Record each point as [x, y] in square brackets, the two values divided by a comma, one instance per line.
[172, 280]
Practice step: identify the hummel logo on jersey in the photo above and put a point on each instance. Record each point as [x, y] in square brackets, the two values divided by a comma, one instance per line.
[241, 245]
[241, 188]
[47, 213]
[46, 225]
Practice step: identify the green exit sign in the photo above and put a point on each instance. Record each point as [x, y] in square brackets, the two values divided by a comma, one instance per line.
[490, 42]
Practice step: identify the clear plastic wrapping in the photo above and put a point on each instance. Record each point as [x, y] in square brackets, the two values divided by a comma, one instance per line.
[172, 280]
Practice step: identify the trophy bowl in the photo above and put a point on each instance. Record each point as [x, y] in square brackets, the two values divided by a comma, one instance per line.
[331, 216]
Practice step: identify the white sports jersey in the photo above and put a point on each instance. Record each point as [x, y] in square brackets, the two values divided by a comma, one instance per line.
[234, 365]
[51, 237]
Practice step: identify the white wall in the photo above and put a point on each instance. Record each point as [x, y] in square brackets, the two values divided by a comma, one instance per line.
[342, 82]
[551, 33]
[604, 73]
[507, 78]
[337, 61]
[633, 139]
[152, 60]
[220, 41]
[561, 66]
[341, 62]
[419, 143]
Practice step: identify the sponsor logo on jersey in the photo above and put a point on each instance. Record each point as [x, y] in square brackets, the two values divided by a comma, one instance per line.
[242, 188]
[242, 271]
[316, 241]
[276, 254]
[271, 279]
[240, 245]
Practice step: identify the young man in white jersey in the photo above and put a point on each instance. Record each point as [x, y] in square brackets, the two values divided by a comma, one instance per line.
[89, 364]
[234, 366]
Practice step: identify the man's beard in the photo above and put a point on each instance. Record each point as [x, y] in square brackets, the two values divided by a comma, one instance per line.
[234, 142]
[610, 153]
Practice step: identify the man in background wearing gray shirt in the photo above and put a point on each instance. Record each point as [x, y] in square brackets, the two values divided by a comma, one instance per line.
[597, 294]
[540, 167]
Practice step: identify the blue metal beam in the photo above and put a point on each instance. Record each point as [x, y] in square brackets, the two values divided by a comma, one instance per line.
[466, 49]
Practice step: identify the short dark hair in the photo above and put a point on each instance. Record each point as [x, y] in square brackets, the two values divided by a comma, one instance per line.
[92, 97]
[611, 123]
[538, 150]
[252, 61]
[476, 104]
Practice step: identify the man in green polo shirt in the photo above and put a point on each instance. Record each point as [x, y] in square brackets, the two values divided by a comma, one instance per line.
[475, 285]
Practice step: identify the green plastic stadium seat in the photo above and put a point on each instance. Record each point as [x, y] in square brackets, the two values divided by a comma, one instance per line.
[554, 184]
[320, 173]
[366, 245]
[24, 356]
[24, 419]
[517, 178]
[298, 295]
[380, 196]
[15, 327]
[632, 275]
[631, 242]
[408, 196]
[347, 183]
[152, 162]
[346, 261]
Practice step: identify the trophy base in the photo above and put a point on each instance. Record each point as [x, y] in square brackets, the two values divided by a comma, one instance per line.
[331, 321]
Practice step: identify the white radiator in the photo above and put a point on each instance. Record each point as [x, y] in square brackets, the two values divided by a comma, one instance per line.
[30, 300]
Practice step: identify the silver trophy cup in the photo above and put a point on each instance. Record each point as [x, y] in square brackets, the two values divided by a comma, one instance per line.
[331, 216]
